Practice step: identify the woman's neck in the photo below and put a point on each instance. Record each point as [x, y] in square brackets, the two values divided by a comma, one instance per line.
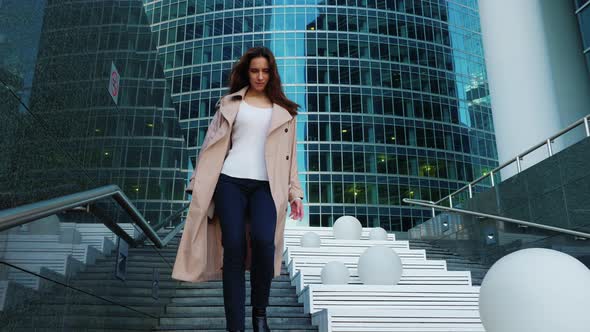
[251, 93]
[256, 98]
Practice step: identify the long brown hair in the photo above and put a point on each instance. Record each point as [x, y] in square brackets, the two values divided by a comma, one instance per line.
[239, 78]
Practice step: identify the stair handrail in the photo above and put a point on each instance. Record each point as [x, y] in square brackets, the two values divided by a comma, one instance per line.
[433, 205]
[27, 213]
[585, 121]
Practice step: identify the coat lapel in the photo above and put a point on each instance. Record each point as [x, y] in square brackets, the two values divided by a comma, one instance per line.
[230, 108]
[279, 117]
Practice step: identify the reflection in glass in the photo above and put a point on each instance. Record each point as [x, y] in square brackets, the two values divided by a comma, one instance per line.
[64, 132]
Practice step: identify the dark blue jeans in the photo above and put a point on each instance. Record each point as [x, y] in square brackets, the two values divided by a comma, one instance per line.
[237, 200]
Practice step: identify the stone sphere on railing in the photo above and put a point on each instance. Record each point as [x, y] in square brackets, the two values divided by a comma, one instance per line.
[347, 228]
[380, 265]
[335, 273]
[310, 240]
[536, 290]
[378, 234]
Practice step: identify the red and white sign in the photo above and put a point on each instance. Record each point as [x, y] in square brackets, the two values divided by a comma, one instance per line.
[114, 83]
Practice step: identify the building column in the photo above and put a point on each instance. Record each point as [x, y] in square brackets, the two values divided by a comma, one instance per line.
[536, 72]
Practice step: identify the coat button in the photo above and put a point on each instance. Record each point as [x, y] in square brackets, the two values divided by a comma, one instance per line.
[287, 157]
[286, 129]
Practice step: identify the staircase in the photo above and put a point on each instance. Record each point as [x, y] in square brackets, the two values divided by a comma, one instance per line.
[455, 262]
[180, 306]
[199, 306]
[428, 296]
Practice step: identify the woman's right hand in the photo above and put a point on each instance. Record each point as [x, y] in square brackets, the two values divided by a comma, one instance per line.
[296, 209]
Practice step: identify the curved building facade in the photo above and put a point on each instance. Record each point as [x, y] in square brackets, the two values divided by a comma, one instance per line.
[393, 93]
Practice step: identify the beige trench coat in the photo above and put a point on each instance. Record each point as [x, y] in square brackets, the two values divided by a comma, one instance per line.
[200, 254]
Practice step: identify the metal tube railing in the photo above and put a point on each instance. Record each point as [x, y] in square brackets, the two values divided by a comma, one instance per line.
[26, 213]
[491, 216]
[23, 214]
[583, 121]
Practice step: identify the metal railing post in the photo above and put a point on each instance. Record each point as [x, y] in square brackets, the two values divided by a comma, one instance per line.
[518, 168]
[549, 149]
[587, 127]
[470, 191]
[492, 179]
[450, 200]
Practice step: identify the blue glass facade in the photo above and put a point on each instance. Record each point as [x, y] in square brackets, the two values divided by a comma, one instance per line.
[394, 95]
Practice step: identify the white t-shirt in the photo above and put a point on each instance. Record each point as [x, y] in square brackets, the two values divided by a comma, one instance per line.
[246, 158]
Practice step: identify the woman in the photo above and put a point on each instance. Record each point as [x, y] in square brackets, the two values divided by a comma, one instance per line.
[244, 179]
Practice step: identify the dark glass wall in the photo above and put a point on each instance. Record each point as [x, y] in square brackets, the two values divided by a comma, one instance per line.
[583, 13]
[394, 95]
[61, 131]
[552, 192]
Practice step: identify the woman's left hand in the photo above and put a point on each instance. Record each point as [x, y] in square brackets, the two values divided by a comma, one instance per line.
[296, 209]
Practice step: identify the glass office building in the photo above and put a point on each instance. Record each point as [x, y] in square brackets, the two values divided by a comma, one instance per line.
[583, 12]
[61, 133]
[393, 92]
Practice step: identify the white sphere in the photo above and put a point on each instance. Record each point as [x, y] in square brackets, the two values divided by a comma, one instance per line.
[380, 265]
[335, 273]
[536, 290]
[310, 240]
[378, 233]
[347, 228]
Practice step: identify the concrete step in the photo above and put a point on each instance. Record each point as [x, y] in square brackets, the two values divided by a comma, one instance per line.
[218, 300]
[278, 292]
[304, 328]
[131, 268]
[125, 300]
[137, 267]
[281, 282]
[100, 276]
[103, 308]
[218, 311]
[74, 329]
[152, 258]
[87, 284]
[131, 261]
[81, 322]
[124, 292]
[451, 259]
[431, 248]
[466, 267]
[209, 322]
[171, 247]
[455, 262]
